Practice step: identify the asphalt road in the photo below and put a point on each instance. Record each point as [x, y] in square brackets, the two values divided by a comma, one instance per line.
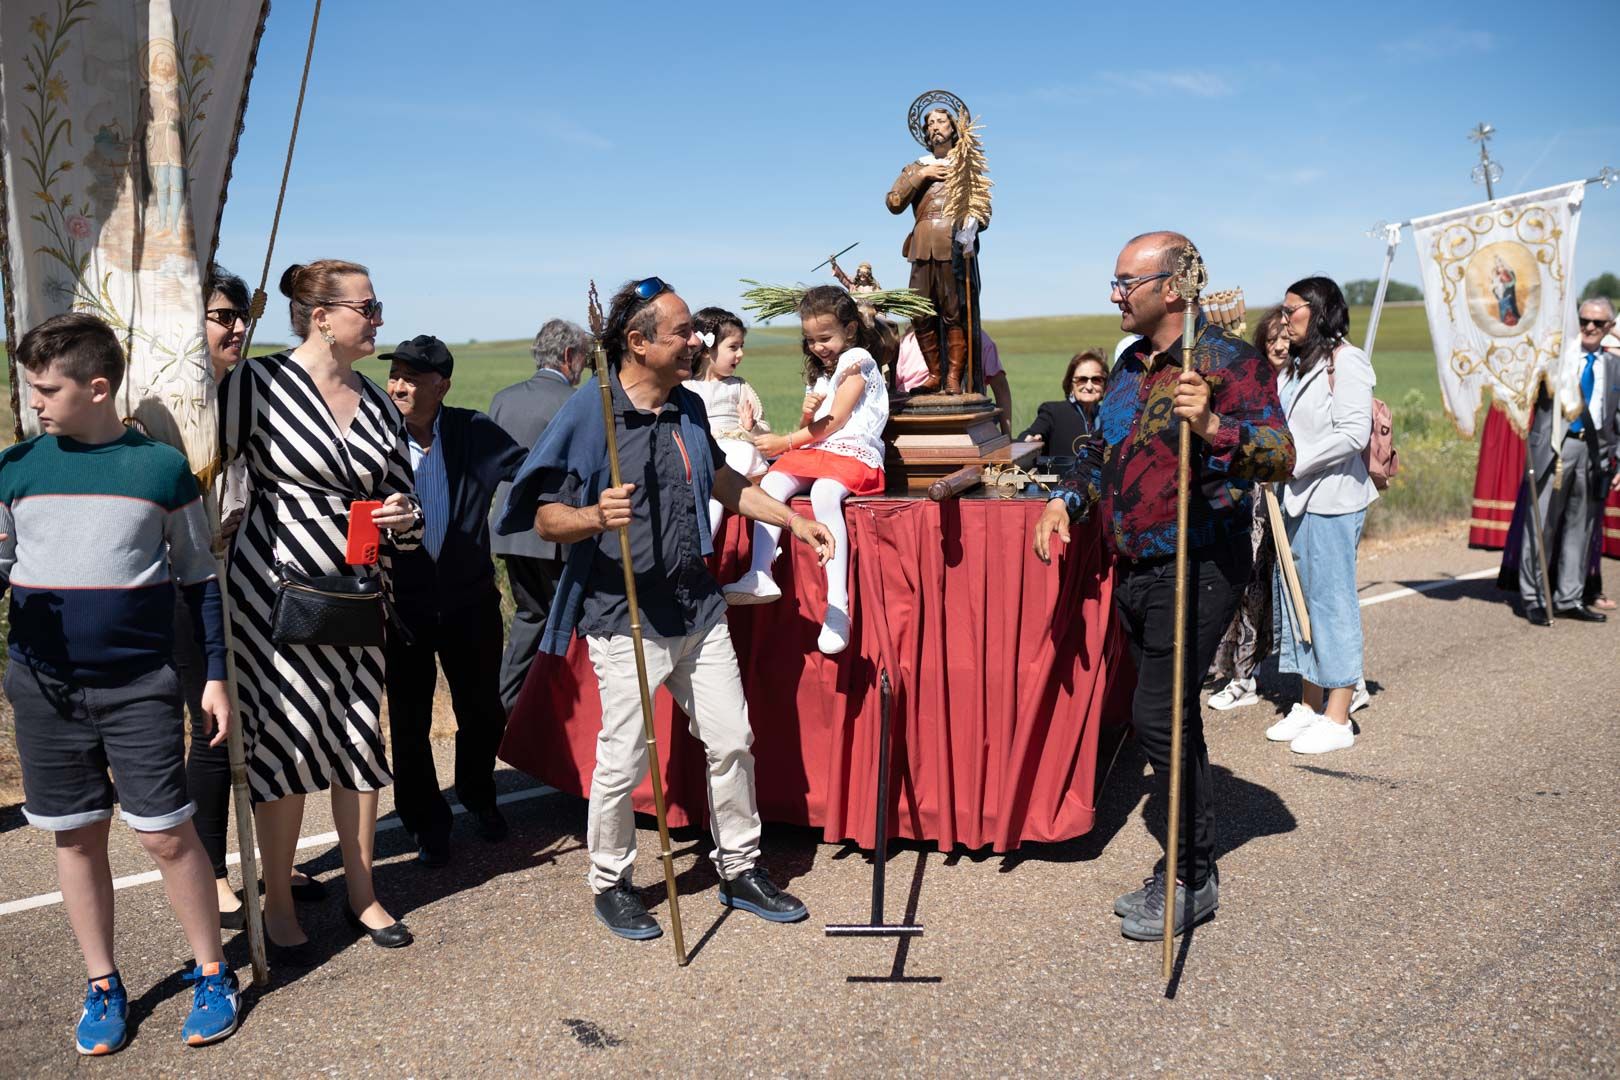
[1438, 900]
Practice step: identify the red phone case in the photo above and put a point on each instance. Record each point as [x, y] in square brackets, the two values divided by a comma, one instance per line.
[363, 534]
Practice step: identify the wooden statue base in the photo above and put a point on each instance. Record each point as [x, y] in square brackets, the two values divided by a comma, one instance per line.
[931, 436]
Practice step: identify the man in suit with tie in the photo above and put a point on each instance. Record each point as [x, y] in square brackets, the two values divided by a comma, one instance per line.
[446, 597]
[561, 350]
[1574, 480]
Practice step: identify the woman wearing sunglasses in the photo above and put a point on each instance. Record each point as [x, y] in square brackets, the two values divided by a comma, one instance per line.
[1060, 425]
[316, 436]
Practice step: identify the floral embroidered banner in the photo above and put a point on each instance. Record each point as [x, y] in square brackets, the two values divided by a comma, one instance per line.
[119, 122]
[1496, 283]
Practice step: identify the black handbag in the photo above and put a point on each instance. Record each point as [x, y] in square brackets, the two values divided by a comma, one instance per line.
[329, 609]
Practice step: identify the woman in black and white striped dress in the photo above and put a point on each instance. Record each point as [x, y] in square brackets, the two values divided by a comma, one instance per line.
[310, 713]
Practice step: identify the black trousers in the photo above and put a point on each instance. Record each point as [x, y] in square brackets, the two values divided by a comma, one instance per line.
[208, 768]
[468, 645]
[1146, 597]
[534, 583]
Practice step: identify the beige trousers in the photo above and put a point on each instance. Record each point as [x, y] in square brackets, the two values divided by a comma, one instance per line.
[701, 674]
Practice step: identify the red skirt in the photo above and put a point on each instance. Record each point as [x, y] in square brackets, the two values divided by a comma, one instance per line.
[859, 477]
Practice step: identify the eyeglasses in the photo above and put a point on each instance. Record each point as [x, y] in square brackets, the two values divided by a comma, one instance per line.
[227, 317]
[369, 308]
[1087, 380]
[1288, 312]
[1127, 285]
[647, 288]
[1585, 322]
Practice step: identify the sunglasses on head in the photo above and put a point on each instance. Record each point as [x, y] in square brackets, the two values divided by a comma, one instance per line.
[369, 308]
[227, 317]
[647, 288]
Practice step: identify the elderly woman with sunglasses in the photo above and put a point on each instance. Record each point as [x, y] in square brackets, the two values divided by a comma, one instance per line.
[316, 436]
[1060, 425]
[1326, 391]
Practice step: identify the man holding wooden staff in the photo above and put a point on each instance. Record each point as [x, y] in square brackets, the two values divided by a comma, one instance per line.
[670, 466]
[1231, 405]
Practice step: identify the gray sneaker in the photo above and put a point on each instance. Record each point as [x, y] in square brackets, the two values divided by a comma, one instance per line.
[1147, 922]
[1128, 904]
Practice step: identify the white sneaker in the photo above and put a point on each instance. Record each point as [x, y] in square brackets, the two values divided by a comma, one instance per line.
[1234, 695]
[752, 588]
[834, 636]
[1324, 736]
[1289, 727]
[1360, 699]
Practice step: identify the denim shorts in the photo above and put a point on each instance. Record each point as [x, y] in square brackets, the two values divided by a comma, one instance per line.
[77, 742]
[1325, 557]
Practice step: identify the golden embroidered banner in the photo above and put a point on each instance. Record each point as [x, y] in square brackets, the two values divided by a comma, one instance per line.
[118, 125]
[1496, 283]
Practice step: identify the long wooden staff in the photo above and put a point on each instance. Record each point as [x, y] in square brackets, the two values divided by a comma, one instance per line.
[599, 361]
[1189, 280]
[1285, 559]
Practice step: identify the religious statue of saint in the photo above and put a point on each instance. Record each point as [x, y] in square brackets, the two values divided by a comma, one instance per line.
[1505, 287]
[941, 246]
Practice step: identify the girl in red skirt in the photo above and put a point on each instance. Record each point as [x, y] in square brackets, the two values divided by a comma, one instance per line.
[836, 451]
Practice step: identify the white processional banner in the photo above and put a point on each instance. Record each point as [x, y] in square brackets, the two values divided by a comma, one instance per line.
[1496, 283]
[118, 125]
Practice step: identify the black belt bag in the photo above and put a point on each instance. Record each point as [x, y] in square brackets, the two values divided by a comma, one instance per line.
[329, 609]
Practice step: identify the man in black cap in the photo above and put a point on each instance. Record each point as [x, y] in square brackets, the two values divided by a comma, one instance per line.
[446, 596]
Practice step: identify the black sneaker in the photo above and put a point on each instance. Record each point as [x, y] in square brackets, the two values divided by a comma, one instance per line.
[752, 891]
[1146, 923]
[620, 910]
[1128, 904]
[489, 823]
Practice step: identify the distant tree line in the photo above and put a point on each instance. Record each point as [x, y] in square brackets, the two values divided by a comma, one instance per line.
[1605, 285]
[1362, 293]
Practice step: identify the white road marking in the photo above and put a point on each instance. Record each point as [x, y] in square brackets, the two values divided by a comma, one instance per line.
[12, 907]
[1430, 586]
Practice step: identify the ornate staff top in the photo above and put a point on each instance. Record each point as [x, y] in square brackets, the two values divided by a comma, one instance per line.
[594, 303]
[1190, 275]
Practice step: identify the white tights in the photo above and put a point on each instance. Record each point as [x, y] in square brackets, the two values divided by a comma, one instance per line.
[827, 503]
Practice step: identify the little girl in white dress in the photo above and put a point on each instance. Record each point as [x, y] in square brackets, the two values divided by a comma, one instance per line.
[736, 415]
[836, 453]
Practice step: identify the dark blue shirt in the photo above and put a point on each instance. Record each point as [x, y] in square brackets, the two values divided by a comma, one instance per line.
[678, 596]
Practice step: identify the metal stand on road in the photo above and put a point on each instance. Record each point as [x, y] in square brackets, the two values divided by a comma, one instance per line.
[880, 847]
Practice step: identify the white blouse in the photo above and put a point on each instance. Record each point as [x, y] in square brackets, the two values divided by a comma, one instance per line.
[861, 437]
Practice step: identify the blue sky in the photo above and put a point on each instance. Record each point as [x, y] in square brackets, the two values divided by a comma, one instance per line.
[486, 158]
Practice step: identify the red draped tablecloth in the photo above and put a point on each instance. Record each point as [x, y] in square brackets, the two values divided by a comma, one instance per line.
[1496, 486]
[1003, 670]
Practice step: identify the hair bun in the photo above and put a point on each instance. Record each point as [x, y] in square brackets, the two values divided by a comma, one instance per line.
[289, 279]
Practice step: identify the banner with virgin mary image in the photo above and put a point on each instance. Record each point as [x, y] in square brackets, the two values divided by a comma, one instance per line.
[118, 124]
[1496, 283]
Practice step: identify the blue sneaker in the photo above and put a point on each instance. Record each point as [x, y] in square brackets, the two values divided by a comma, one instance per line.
[214, 1005]
[101, 1027]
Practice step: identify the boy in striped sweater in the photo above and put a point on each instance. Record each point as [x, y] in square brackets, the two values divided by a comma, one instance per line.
[98, 526]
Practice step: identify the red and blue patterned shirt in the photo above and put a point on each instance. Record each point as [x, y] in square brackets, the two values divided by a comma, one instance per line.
[1131, 483]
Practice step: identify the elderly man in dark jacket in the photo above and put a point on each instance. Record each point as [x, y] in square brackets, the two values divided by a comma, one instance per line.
[446, 597]
[561, 350]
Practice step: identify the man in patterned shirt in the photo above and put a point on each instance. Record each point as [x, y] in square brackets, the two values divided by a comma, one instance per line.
[1129, 482]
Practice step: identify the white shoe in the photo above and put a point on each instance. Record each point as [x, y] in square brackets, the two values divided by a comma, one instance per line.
[1234, 695]
[1360, 699]
[752, 588]
[834, 636]
[1324, 736]
[1300, 717]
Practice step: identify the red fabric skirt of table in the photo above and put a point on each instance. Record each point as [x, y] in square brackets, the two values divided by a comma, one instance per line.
[1003, 670]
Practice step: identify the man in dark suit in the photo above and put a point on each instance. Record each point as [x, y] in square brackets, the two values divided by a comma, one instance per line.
[1575, 480]
[561, 351]
[446, 596]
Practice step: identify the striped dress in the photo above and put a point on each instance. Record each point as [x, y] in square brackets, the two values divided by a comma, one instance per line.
[309, 713]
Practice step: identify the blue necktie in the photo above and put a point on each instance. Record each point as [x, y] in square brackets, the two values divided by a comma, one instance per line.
[1588, 381]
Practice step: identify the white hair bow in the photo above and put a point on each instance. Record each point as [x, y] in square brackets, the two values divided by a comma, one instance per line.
[707, 338]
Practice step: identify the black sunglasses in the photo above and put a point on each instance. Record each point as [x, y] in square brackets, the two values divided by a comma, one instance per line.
[227, 317]
[370, 308]
[1595, 322]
